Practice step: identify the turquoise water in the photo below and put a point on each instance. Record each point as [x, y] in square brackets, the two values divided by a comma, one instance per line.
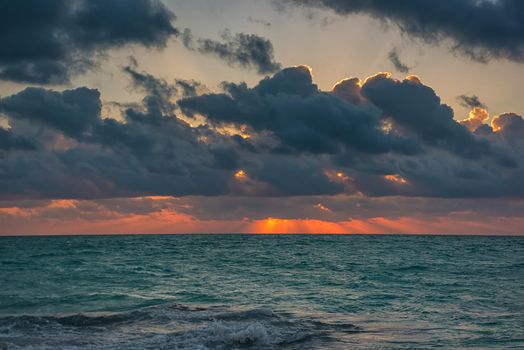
[261, 292]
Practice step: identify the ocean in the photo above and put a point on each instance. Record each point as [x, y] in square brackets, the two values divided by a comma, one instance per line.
[261, 292]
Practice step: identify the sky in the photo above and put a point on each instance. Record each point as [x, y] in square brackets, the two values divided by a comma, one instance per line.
[261, 116]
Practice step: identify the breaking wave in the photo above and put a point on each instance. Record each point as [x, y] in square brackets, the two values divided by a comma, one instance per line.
[171, 326]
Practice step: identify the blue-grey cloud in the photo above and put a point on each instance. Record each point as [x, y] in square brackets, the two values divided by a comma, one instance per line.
[9, 141]
[45, 42]
[397, 63]
[471, 101]
[416, 108]
[244, 50]
[71, 112]
[382, 137]
[299, 115]
[482, 30]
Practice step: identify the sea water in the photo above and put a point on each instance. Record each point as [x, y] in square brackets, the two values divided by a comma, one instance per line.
[261, 292]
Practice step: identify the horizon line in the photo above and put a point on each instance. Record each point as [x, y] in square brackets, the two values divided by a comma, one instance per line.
[521, 235]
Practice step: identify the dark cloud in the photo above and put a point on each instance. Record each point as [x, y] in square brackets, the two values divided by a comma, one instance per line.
[158, 91]
[8, 141]
[509, 125]
[397, 63]
[281, 137]
[298, 115]
[259, 21]
[147, 153]
[47, 42]
[416, 108]
[471, 101]
[244, 50]
[482, 30]
[305, 119]
[394, 137]
[71, 111]
[190, 88]
[349, 90]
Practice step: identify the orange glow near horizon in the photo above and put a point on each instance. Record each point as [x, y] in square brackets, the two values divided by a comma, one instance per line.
[60, 217]
[157, 198]
[380, 225]
[62, 203]
[287, 226]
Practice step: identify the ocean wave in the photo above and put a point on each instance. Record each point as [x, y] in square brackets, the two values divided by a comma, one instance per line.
[170, 326]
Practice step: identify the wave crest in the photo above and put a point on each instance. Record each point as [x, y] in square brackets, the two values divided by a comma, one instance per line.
[167, 326]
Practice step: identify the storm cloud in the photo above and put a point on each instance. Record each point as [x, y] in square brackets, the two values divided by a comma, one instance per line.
[481, 30]
[45, 42]
[282, 137]
[70, 111]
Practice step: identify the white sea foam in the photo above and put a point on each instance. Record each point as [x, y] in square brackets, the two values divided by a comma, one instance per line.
[168, 326]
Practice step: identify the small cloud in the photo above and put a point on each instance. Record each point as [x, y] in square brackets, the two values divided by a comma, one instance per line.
[322, 207]
[477, 117]
[259, 21]
[241, 49]
[396, 178]
[240, 175]
[471, 101]
[397, 63]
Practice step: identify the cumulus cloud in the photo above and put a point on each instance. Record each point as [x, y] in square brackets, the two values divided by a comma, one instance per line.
[282, 137]
[300, 116]
[8, 141]
[481, 30]
[70, 111]
[244, 50]
[509, 124]
[416, 108]
[47, 42]
[477, 117]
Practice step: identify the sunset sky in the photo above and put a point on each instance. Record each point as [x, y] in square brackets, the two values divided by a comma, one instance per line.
[261, 116]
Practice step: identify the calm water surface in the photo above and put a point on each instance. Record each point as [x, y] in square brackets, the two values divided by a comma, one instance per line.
[261, 292]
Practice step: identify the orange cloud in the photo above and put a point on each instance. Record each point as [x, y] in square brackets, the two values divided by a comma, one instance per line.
[477, 117]
[380, 225]
[62, 203]
[395, 178]
[67, 217]
[241, 175]
[336, 176]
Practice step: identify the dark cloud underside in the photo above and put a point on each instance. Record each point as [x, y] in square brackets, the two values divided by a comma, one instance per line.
[287, 137]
